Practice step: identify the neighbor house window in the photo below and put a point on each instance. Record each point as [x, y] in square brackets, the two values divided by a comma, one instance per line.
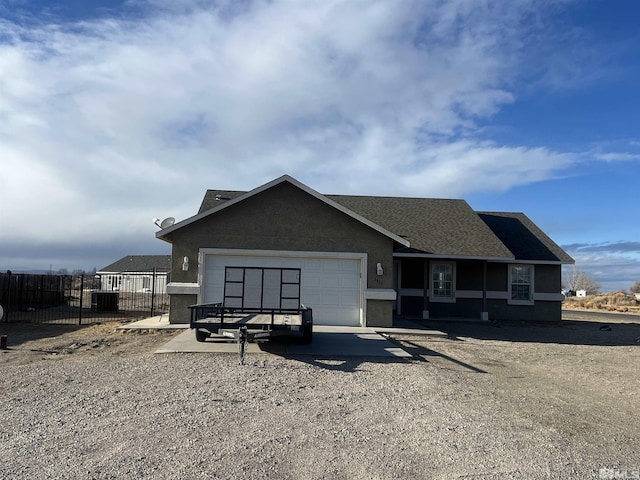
[442, 281]
[521, 284]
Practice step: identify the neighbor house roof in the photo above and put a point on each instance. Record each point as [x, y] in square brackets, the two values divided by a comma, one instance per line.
[523, 237]
[421, 226]
[140, 263]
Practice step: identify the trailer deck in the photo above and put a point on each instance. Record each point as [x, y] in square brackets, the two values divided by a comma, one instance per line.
[253, 319]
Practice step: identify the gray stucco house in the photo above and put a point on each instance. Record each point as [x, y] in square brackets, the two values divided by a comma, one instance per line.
[364, 259]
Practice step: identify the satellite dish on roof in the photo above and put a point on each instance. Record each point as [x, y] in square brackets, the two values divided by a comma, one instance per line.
[167, 222]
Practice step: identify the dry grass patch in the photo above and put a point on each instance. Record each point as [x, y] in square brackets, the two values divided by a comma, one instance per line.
[619, 302]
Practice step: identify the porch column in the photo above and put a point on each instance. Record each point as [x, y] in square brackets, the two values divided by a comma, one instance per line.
[397, 284]
[425, 290]
[484, 315]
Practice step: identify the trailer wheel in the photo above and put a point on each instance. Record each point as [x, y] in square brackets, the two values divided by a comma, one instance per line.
[307, 336]
[201, 335]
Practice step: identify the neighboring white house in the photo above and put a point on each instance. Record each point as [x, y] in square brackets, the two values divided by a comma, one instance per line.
[137, 273]
[581, 293]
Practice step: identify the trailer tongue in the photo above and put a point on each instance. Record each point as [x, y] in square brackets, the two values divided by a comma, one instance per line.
[259, 304]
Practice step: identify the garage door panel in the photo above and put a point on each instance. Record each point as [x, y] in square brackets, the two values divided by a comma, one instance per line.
[330, 299]
[311, 265]
[313, 298]
[329, 282]
[350, 282]
[309, 281]
[349, 301]
[331, 266]
[330, 286]
[335, 316]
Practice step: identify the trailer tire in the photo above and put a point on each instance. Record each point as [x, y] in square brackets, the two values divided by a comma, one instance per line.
[201, 335]
[307, 336]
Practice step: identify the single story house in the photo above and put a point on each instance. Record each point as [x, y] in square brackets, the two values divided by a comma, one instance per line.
[136, 273]
[365, 258]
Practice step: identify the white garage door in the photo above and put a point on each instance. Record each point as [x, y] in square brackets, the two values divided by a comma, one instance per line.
[330, 286]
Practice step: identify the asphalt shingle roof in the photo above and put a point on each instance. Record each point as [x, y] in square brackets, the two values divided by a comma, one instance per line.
[140, 263]
[523, 237]
[209, 201]
[442, 227]
[432, 225]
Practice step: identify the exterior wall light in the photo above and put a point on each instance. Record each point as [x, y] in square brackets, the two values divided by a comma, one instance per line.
[185, 264]
[379, 270]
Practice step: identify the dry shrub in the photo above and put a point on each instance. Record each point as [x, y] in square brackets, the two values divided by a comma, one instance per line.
[614, 299]
[574, 302]
[611, 302]
[627, 300]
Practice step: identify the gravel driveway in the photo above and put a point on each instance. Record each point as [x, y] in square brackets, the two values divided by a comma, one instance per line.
[506, 401]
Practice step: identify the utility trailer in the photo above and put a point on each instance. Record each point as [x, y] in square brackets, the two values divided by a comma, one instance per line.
[260, 303]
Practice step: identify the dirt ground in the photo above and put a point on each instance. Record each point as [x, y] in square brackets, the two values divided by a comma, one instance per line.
[29, 343]
[509, 400]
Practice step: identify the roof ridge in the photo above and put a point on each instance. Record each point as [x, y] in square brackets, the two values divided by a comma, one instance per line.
[394, 197]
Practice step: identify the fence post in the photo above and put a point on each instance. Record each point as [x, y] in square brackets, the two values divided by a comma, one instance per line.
[81, 297]
[8, 309]
[41, 293]
[153, 291]
[21, 292]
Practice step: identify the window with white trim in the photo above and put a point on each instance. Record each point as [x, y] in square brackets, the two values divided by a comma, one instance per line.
[521, 284]
[442, 281]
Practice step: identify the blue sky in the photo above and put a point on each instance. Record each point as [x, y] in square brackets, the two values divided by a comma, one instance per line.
[115, 112]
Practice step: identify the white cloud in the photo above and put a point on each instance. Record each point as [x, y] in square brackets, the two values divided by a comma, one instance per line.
[108, 123]
[617, 156]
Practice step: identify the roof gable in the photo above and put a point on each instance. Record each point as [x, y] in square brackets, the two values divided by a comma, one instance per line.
[229, 198]
[140, 263]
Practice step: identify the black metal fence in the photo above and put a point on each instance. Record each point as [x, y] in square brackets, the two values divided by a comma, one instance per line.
[80, 299]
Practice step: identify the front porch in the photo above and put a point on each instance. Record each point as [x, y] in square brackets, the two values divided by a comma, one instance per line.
[476, 289]
[437, 289]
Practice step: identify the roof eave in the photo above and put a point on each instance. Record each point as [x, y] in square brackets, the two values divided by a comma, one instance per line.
[542, 262]
[480, 257]
[452, 257]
